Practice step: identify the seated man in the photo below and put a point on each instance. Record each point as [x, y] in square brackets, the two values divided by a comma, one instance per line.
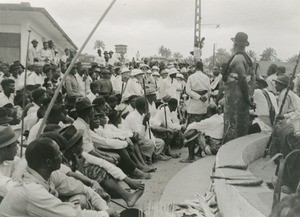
[8, 161]
[138, 122]
[37, 197]
[284, 141]
[207, 133]
[166, 126]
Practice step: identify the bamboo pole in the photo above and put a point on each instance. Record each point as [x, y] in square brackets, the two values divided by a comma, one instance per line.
[71, 65]
[24, 92]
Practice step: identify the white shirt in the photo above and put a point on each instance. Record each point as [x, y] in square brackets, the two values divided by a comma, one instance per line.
[91, 96]
[133, 88]
[80, 124]
[160, 119]
[291, 108]
[169, 88]
[134, 123]
[33, 79]
[212, 126]
[5, 100]
[271, 83]
[116, 82]
[197, 82]
[262, 107]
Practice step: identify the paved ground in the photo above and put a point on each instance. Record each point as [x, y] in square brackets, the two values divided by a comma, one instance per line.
[179, 181]
[156, 185]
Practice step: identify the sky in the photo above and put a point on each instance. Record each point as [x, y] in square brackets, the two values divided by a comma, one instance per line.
[145, 25]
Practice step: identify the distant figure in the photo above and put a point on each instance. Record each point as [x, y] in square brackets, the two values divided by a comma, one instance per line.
[237, 100]
[33, 53]
[271, 73]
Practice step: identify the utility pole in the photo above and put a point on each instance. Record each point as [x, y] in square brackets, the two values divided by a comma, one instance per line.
[197, 31]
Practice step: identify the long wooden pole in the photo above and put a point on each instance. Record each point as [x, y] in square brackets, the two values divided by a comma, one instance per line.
[71, 65]
[24, 92]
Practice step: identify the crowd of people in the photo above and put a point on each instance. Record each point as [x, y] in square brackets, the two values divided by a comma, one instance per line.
[113, 120]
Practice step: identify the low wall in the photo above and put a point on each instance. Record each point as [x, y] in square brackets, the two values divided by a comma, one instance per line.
[237, 201]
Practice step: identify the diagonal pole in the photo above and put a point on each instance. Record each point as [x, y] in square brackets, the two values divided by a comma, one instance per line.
[71, 65]
[24, 92]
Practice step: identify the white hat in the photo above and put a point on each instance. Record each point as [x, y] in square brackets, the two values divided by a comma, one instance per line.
[144, 65]
[165, 71]
[183, 70]
[124, 69]
[135, 72]
[172, 71]
[155, 74]
[149, 71]
[179, 75]
[155, 68]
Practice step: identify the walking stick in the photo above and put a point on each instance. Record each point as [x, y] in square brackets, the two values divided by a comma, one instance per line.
[283, 102]
[24, 92]
[147, 107]
[71, 66]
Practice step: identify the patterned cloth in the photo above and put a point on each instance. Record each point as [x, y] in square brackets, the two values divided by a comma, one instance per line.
[95, 172]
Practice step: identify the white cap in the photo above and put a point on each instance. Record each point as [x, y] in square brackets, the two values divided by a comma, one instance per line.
[179, 75]
[124, 69]
[165, 71]
[149, 71]
[135, 72]
[144, 65]
[155, 74]
[155, 68]
[173, 71]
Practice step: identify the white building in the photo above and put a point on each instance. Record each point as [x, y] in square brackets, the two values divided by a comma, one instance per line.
[16, 20]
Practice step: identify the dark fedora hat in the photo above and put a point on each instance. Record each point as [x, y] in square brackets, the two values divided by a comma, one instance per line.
[71, 134]
[283, 79]
[34, 40]
[83, 103]
[4, 119]
[241, 38]
[8, 136]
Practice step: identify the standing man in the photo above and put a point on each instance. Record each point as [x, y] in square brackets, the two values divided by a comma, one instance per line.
[198, 88]
[217, 77]
[99, 59]
[33, 54]
[45, 53]
[237, 99]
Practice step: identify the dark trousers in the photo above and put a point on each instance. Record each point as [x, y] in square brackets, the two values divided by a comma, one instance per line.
[126, 164]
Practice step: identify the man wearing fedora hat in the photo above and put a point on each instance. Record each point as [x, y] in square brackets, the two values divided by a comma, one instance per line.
[207, 133]
[43, 185]
[169, 84]
[291, 108]
[134, 84]
[237, 93]
[8, 161]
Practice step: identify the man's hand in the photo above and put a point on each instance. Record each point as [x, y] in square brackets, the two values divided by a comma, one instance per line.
[112, 213]
[146, 119]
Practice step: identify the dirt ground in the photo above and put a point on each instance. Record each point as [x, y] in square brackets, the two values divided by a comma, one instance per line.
[155, 186]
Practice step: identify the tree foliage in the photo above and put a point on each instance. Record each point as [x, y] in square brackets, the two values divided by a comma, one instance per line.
[164, 52]
[269, 54]
[221, 56]
[99, 44]
[252, 54]
[177, 56]
[293, 59]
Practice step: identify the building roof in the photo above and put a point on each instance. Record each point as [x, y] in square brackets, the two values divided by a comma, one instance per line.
[25, 7]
